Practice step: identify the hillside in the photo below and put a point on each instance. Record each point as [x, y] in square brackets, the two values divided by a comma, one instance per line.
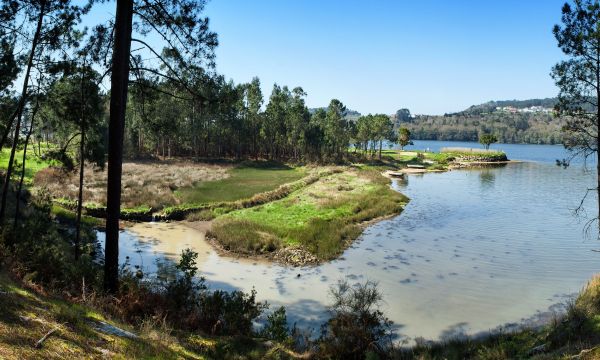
[512, 121]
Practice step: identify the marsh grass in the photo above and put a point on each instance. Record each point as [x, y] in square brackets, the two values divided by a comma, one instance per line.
[322, 216]
[151, 183]
[243, 182]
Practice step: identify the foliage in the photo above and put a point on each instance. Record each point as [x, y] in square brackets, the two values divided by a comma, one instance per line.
[517, 127]
[404, 138]
[487, 139]
[276, 327]
[357, 326]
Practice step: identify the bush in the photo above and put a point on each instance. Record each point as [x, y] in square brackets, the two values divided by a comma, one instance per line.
[229, 313]
[276, 327]
[357, 327]
[185, 301]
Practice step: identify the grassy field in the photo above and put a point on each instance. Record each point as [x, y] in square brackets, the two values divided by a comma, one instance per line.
[243, 182]
[33, 163]
[321, 217]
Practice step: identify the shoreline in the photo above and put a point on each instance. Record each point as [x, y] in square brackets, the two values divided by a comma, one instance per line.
[289, 256]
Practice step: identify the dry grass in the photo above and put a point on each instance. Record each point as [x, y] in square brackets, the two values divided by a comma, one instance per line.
[143, 183]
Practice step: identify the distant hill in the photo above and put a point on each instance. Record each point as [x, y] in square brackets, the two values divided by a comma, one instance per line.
[491, 106]
[512, 121]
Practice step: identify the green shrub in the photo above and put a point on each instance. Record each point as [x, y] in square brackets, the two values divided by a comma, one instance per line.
[229, 313]
[276, 327]
[357, 326]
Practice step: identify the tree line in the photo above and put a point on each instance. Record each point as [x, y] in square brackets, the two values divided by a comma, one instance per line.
[529, 128]
[238, 121]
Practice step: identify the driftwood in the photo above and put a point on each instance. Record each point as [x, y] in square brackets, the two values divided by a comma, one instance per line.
[38, 345]
[584, 352]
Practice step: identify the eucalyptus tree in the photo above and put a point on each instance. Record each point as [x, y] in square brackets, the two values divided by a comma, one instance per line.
[274, 127]
[315, 134]
[364, 131]
[578, 80]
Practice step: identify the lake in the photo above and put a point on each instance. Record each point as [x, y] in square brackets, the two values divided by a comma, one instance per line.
[473, 250]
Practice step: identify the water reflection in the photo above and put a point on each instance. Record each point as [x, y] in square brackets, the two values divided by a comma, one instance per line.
[487, 178]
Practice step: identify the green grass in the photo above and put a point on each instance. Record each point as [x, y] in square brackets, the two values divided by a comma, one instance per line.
[33, 163]
[322, 217]
[243, 182]
[468, 154]
[66, 215]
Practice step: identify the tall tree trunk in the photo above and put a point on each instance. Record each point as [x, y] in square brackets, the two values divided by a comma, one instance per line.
[19, 110]
[116, 128]
[81, 166]
[18, 202]
[80, 194]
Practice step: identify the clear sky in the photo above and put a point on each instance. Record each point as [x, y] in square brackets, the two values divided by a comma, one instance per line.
[431, 56]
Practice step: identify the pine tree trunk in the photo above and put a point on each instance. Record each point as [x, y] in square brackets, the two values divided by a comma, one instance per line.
[116, 128]
[80, 194]
[20, 108]
[18, 202]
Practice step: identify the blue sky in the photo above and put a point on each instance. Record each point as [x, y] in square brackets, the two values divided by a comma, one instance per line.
[431, 56]
[378, 56]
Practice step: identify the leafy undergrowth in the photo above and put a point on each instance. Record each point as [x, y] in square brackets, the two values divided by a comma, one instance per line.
[27, 316]
[322, 217]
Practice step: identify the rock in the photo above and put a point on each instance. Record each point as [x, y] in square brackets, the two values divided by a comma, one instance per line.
[112, 330]
[538, 349]
[295, 256]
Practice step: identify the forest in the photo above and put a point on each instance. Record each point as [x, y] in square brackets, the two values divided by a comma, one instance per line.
[509, 126]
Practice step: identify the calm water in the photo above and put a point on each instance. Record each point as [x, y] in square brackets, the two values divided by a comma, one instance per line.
[474, 249]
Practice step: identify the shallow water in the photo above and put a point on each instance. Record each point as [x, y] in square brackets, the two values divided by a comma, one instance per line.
[474, 249]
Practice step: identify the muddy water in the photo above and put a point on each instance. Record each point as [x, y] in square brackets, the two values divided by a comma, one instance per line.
[473, 250]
